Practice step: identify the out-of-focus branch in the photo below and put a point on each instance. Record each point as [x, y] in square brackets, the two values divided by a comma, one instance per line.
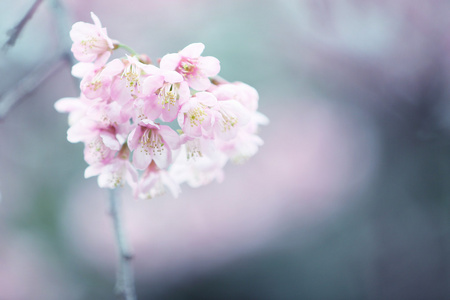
[63, 25]
[125, 281]
[15, 32]
[28, 84]
[32, 80]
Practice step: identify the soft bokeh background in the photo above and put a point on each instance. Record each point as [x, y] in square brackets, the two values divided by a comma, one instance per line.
[347, 199]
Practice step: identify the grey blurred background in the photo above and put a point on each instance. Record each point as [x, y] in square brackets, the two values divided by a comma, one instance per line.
[347, 199]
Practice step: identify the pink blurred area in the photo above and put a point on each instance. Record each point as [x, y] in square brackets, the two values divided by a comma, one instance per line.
[315, 156]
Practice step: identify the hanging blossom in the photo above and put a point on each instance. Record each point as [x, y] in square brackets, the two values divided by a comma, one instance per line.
[155, 127]
[91, 41]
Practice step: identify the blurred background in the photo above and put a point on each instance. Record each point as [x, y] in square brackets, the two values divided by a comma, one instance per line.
[347, 199]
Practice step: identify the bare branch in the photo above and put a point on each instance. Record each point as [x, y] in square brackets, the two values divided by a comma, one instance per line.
[29, 83]
[125, 282]
[15, 32]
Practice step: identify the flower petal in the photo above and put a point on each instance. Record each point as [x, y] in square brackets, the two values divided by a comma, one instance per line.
[170, 61]
[169, 113]
[132, 174]
[172, 76]
[209, 65]
[141, 158]
[113, 68]
[81, 69]
[152, 83]
[133, 138]
[149, 124]
[170, 136]
[191, 129]
[199, 83]
[96, 20]
[68, 104]
[163, 158]
[102, 58]
[110, 141]
[150, 69]
[92, 171]
[206, 98]
[193, 50]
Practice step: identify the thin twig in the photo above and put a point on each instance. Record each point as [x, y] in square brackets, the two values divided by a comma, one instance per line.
[127, 48]
[28, 84]
[15, 32]
[125, 281]
[35, 78]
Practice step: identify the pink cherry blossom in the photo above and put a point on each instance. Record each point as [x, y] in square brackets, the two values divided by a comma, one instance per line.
[152, 142]
[198, 171]
[195, 115]
[242, 147]
[133, 75]
[164, 91]
[121, 99]
[155, 182]
[108, 114]
[101, 142]
[247, 142]
[134, 110]
[99, 130]
[76, 107]
[100, 149]
[198, 147]
[239, 91]
[97, 82]
[229, 117]
[114, 174]
[195, 69]
[91, 41]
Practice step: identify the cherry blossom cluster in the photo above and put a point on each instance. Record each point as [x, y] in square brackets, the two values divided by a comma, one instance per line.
[156, 127]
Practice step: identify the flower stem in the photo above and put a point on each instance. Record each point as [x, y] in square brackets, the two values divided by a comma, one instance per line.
[124, 281]
[123, 46]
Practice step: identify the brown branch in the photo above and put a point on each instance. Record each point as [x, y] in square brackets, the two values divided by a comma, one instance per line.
[15, 32]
